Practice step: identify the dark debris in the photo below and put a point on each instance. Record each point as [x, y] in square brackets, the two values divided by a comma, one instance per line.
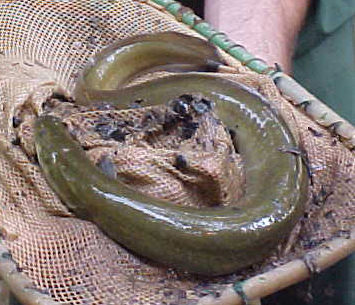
[189, 129]
[118, 135]
[180, 106]
[180, 162]
[16, 121]
[136, 104]
[316, 133]
[104, 130]
[16, 141]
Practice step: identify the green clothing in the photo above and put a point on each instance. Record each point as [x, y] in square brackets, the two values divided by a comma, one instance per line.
[325, 17]
[324, 60]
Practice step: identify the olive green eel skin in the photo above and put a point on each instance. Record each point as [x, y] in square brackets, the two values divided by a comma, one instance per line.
[210, 241]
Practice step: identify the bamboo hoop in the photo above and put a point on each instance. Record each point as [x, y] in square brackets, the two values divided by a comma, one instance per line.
[20, 285]
[286, 275]
[314, 108]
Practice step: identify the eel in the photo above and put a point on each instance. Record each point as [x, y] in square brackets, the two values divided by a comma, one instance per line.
[208, 241]
[138, 55]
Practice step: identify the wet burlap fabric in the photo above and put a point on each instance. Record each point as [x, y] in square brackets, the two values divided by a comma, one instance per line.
[43, 46]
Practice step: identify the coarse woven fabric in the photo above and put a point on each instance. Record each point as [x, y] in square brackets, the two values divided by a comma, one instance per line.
[44, 44]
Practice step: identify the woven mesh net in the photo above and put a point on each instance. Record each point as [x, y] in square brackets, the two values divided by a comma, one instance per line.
[44, 44]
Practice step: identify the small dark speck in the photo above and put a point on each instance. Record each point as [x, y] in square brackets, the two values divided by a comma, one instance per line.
[316, 226]
[278, 67]
[182, 294]
[34, 159]
[149, 133]
[277, 204]
[103, 130]
[315, 132]
[16, 141]
[185, 118]
[168, 293]
[61, 97]
[94, 20]
[148, 117]
[344, 233]
[120, 123]
[180, 107]
[333, 127]
[218, 122]
[45, 105]
[104, 106]
[189, 129]
[129, 123]
[207, 103]
[136, 104]
[334, 142]
[329, 215]
[16, 122]
[118, 135]
[232, 133]
[6, 255]
[347, 180]
[312, 243]
[92, 39]
[180, 162]
[188, 98]
[169, 121]
[203, 293]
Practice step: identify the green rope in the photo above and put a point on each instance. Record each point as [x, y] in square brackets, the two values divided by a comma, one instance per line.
[238, 288]
[219, 39]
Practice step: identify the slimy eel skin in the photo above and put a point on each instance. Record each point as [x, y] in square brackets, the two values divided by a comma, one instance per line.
[207, 241]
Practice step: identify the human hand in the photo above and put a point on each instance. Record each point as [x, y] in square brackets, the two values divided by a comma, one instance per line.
[268, 28]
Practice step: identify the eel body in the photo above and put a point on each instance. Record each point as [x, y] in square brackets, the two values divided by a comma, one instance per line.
[210, 241]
